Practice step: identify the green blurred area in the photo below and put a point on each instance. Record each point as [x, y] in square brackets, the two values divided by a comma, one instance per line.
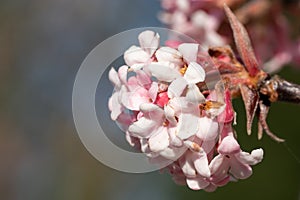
[42, 44]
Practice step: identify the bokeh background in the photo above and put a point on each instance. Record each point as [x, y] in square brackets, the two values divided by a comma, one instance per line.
[42, 44]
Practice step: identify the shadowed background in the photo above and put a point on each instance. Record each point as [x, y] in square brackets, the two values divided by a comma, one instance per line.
[42, 44]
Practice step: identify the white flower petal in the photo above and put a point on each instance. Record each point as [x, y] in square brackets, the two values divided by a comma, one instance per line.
[188, 125]
[180, 104]
[219, 167]
[148, 124]
[149, 107]
[122, 72]
[189, 51]
[228, 146]
[168, 54]
[115, 106]
[135, 55]
[149, 41]
[172, 153]
[194, 95]
[194, 73]
[123, 93]
[153, 91]
[174, 140]
[258, 155]
[124, 120]
[176, 87]
[132, 83]
[160, 140]
[143, 128]
[143, 79]
[255, 157]
[170, 114]
[132, 100]
[114, 77]
[214, 112]
[187, 165]
[138, 66]
[208, 129]
[201, 164]
[216, 163]
[197, 183]
[163, 72]
[239, 170]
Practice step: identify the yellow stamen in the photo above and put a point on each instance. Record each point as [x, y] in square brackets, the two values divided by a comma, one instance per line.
[165, 123]
[210, 104]
[196, 147]
[183, 69]
[130, 70]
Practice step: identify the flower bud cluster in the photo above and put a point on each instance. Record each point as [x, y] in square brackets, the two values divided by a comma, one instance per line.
[161, 104]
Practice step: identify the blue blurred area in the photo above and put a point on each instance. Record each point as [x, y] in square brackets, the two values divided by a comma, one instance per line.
[42, 44]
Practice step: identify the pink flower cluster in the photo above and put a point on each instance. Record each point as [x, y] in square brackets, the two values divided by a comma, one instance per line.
[274, 40]
[158, 103]
[199, 19]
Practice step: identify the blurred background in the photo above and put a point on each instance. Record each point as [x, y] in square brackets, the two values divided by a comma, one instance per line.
[42, 44]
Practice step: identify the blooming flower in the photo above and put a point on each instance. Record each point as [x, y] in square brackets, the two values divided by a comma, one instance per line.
[167, 115]
[187, 17]
[230, 163]
[136, 57]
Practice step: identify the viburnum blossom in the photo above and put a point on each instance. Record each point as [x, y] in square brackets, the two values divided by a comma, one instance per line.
[163, 105]
[170, 106]
[189, 17]
[270, 28]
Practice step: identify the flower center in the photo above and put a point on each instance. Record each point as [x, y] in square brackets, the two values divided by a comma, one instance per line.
[183, 69]
[165, 123]
[210, 104]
